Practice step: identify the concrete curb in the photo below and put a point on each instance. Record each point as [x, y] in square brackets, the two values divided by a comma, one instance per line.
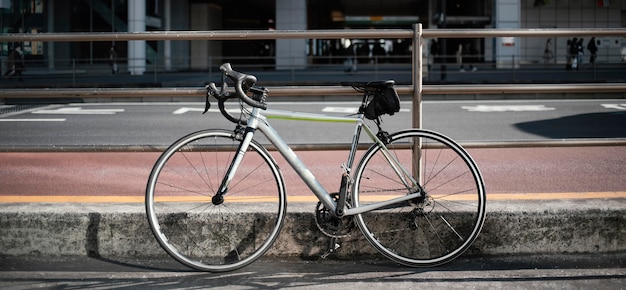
[114, 230]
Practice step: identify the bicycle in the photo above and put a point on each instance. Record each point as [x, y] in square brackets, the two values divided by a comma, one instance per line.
[216, 201]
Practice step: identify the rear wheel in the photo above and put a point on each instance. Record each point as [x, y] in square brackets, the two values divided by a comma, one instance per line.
[212, 234]
[435, 228]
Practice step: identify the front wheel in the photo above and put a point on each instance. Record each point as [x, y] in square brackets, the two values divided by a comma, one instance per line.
[215, 234]
[435, 227]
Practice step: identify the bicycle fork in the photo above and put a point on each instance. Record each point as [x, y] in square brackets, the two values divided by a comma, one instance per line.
[218, 198]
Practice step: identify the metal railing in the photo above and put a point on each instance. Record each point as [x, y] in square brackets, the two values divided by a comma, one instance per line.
[374, 67]
[417, 34]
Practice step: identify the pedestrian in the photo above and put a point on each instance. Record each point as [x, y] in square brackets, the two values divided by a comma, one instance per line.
[363, 52]
[15, 63]
[568, 55]
[379, 53]
[113, 59]
[547, 51]
[568, 58]
[573, 53]
[580, 49]
[433, 53]
[350, 62]
[473, 57]
[593, 50]
[10, 63]
[459, 57]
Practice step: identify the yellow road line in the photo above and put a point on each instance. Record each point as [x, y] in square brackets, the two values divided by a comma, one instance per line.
[308, 198]
[555, 195]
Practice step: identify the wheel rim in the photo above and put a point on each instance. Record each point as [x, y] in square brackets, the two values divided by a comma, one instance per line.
[204, 235]
[425, 232]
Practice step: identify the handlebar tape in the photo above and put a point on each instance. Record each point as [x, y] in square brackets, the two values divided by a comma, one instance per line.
[243, 83]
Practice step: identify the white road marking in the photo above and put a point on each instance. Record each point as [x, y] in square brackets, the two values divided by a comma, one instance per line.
[349, 110]
[508, 108]
[79, 111]
[614, 106]
[343, 110]
[184, 110]
[33, 120]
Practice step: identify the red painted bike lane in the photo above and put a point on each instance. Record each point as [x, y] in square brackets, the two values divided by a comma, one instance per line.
[537, 170]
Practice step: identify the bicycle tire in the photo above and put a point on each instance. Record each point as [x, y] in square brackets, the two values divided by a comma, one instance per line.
[194, 231]
[428, 232]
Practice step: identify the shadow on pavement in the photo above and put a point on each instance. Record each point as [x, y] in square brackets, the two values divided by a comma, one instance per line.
[587, 271]
[592, 125]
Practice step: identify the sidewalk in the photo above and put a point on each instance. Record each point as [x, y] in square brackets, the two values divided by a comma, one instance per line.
[314, 75]
[577, 271]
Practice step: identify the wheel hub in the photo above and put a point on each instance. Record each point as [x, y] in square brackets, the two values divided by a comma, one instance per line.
[217, 199]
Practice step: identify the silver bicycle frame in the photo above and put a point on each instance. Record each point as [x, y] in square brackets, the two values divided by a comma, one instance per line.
[259, 121]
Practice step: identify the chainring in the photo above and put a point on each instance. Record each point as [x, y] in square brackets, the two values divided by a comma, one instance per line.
[330, 225]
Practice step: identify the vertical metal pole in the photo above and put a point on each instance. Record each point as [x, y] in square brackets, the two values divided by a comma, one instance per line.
[156, 67]
[73, 72]
[513, 66]
[91, 30]
[417, 75]
[417, 98]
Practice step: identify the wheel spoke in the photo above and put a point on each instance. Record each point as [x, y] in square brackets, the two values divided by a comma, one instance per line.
[207, 236]
[443, 223]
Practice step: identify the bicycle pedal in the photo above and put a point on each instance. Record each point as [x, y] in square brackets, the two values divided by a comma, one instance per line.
[330, 251]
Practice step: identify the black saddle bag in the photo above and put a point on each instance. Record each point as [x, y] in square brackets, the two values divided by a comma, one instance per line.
[385, 101]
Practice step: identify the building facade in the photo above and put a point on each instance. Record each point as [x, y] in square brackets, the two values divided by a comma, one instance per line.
[35, 16]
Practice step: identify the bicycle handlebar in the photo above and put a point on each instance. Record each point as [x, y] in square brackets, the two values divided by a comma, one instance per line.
[244, 84]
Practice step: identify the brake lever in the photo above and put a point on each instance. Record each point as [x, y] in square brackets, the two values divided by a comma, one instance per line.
[209, 92]
[207, 105]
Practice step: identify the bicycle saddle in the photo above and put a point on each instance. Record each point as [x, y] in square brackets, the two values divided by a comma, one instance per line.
[370, 85]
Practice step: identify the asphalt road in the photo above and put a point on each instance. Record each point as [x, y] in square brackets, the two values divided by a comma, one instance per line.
[589, 271]
[139, 124]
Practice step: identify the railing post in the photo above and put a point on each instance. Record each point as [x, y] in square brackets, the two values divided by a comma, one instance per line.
[513, 67]
[417, 98]
[156, 67]
[417, 75]
[73, 72]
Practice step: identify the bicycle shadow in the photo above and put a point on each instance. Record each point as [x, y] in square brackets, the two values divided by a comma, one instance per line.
[294, 273]
[592, 125]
